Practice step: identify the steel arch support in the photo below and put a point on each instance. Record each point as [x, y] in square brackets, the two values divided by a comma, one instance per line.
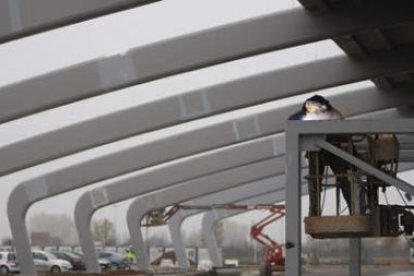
[173, 195]
[195, 104]
[176, 221]
[185, 53]
[210, 218]
[186, 143]
[23, 18]
[259, 152]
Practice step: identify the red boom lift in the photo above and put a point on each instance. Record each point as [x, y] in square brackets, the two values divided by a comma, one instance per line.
[273, 259]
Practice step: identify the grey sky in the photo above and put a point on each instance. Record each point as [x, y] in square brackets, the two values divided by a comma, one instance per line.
[114, 34]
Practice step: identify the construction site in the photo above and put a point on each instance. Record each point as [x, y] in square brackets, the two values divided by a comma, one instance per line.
[195, 137]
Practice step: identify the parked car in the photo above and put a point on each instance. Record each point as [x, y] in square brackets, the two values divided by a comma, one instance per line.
[8, 263]
[47, 262]
[205, 266]
[103, 263]
[117, 260]
[75, 260]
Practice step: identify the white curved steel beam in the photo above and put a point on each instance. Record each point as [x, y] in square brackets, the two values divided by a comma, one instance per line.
[25, 17]
[176, 221]
[163, 198]
[188, 169]
[174, 194]
[185, 53]
[210, 218]
[187, 143]
[194, 104]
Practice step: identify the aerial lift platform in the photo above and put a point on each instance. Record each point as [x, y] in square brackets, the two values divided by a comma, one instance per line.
[372, 150]
[366, 217]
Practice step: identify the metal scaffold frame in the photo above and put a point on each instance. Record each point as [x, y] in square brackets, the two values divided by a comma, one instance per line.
[310, 135]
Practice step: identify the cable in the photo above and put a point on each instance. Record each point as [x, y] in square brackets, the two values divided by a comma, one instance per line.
[386, 198]
[399, 192]
[343, 210]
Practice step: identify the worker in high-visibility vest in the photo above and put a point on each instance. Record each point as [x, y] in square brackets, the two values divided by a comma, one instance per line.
[130, 254]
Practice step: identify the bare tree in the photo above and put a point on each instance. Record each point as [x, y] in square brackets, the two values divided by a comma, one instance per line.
[103, 231]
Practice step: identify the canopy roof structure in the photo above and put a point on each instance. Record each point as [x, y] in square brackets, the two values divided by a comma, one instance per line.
[377, 36]
[390, 40]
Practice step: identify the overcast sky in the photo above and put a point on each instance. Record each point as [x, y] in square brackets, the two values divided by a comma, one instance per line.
[117, 33]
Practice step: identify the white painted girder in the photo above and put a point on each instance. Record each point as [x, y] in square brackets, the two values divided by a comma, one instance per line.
[164, 198]
[176, 221]
[189, 52]
[20, 18]
[202, 165]
[273, 85]
[190, 169]
[183, 144]
[210, 218]
[73, 83]
[173, 195]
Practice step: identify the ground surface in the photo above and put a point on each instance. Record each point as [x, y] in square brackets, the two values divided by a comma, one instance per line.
[342, 270]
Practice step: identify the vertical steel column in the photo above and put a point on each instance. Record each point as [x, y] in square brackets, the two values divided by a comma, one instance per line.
[177, 238]
[293, 201]
[208, 223]
[354, 257]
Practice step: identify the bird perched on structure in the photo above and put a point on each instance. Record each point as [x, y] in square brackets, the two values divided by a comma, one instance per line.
[317, 108]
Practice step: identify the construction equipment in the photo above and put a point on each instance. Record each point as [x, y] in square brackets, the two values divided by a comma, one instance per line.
[273, 259]
[366, 218]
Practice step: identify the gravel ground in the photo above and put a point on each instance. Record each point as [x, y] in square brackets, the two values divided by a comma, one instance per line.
[342, 270]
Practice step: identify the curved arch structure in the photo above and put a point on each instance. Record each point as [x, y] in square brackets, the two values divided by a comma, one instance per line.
[258, 152]
[163, 198]
[119, 71]
[210, 218]
[24, 18]
[143, 64]
[190, 105]
[183, 144]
